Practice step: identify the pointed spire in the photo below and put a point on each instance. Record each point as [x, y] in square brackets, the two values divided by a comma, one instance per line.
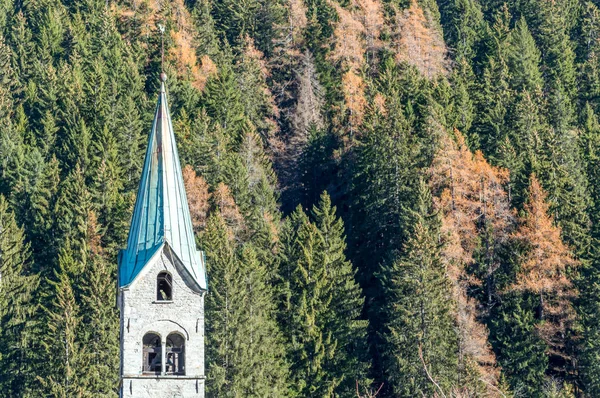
[161, 216]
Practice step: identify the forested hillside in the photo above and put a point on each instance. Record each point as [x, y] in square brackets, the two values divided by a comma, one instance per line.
[397, 198]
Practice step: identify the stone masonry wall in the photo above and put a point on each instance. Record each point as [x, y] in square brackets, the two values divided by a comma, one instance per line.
[142, 313]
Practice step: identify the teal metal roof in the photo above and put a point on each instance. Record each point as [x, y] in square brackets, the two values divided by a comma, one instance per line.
[161, 215]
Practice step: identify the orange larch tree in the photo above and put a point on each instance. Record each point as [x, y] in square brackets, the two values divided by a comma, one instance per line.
[348, 39]
[371, 15]
[469, 194]
[349, 52]
[198, 196]
[419, 43]
[544, 268]
[225, 204]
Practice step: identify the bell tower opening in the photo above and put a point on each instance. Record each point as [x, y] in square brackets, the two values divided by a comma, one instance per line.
[164, 287]
[175, 364]
[152, 354]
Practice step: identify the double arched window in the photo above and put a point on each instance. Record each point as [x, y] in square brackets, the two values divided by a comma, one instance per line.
[152, 354]
[164, 287]
[175, 363]
[174, 360]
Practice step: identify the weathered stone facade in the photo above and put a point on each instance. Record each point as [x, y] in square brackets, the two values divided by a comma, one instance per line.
[141, 313]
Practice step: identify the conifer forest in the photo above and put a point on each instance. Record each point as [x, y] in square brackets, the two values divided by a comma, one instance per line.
[396, 198]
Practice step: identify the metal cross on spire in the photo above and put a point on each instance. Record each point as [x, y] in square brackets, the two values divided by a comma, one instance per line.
[161, 28]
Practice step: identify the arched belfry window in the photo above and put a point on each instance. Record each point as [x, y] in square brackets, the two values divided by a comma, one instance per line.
[164, 287]
[175, 363]
[152, 354]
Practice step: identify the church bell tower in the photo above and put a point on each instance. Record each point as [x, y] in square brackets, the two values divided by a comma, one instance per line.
[161, 279]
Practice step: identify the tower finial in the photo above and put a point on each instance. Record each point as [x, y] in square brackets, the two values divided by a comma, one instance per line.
[163, 75]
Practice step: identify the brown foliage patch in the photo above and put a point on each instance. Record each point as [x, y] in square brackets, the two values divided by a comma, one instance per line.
[348, 39]
[196, 189]
[371, 16]
[544, 269]
[297, 19]
[183, 53]
[349, 51]
[469, 193]
[225, 204]
[356, 35]
[354, 88]
[93, 238]
[419, 43]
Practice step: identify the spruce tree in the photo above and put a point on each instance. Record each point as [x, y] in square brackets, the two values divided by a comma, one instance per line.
[17, 307]
[350, 331]
[463, 25]
[543, 295]
[589, 311]
[222, 102]
[34, 197]
[245, 354]
[589, 49]
[128, 133]
[321, 305]
[307, 292]
[524, 59]
[520, 351]
[107, 189]
[588, 282]
[99, 332]
[494, 95]
[63, 372]
[420, 342]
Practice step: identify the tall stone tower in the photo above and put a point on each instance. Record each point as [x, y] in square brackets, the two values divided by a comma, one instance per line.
[162, 279]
